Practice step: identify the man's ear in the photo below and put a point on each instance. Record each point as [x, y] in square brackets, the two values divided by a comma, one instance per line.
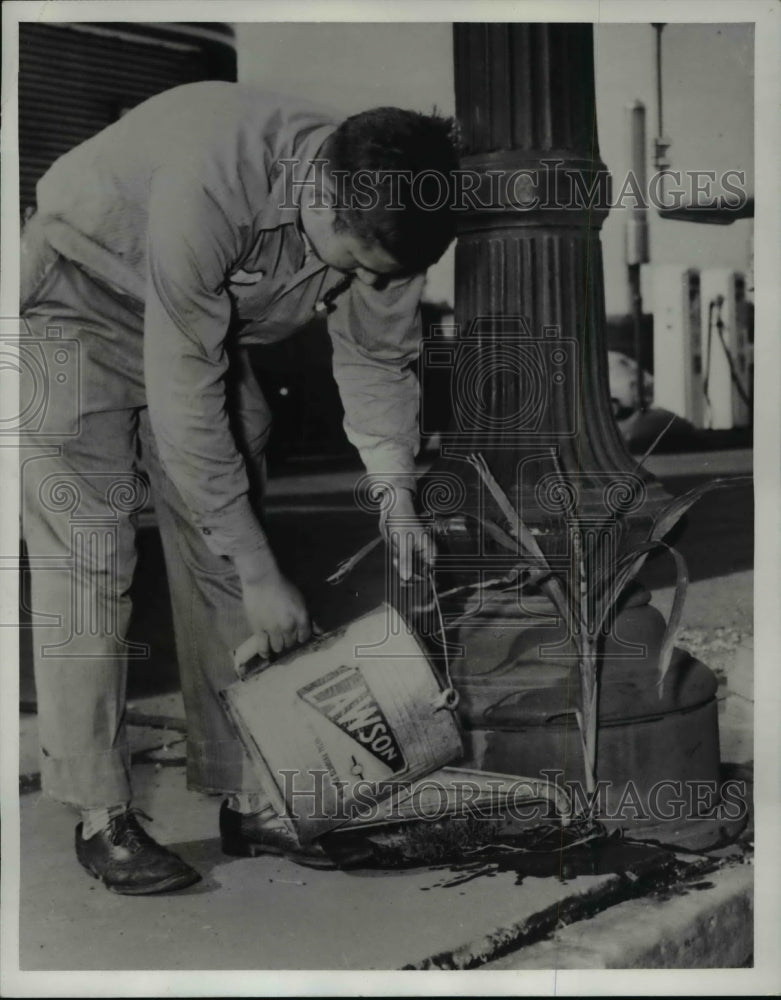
[328, 192]
[317, 223]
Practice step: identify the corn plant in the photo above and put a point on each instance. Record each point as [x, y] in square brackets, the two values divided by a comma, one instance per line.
[588, 595]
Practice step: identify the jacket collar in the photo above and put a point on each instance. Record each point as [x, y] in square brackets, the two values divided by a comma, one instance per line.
[284, 199]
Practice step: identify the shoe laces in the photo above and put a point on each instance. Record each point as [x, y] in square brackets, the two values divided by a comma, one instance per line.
[125, 831]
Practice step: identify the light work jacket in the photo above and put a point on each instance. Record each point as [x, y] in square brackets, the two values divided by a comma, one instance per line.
[189, 206]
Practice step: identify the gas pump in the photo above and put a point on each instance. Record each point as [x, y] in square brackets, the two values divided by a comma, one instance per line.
[728, 363]
[703, 340]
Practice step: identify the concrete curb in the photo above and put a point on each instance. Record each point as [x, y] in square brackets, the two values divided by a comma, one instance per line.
[707, 925]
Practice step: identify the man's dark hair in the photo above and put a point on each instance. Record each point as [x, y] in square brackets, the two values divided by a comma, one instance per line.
[364, 153]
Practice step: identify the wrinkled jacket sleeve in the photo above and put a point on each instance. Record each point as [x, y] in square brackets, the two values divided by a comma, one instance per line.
[191, 245]
[376, 337]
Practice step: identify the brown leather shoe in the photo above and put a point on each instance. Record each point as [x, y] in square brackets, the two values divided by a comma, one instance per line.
[129, 861]
[251, 836]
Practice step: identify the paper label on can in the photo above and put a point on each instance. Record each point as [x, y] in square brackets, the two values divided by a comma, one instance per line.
[345, 699]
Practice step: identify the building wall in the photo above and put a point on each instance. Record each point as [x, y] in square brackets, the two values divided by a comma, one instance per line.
[75, 79]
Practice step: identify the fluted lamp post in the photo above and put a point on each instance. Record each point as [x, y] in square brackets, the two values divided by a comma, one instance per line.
[526, 367]
[529, 285]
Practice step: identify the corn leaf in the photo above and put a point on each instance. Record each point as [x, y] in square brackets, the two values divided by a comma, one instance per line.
[587, 666]
[615, 579]
[346, 566]
[652, 447]
[675, 510]
[627, 568]
[505, 539]
[612, 586]
[552, 586]
[676, 612]
[517, 527]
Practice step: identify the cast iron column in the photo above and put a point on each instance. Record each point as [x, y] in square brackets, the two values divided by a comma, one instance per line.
[529, 273]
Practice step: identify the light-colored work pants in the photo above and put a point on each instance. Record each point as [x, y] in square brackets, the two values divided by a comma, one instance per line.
[82, 490]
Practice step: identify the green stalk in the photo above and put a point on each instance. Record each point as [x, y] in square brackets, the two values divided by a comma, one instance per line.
[550, 584]
[588, 721]
[572, 607]
[585, 640]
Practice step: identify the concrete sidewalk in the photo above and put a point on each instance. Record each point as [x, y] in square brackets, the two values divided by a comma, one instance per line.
[268, 913]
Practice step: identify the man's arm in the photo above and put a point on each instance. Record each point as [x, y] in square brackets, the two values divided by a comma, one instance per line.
[376, 337]
[191, 245]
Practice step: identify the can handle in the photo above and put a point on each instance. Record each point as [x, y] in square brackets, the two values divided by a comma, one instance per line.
[247, 659]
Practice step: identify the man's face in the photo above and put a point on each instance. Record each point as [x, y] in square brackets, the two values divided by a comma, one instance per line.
[343, 250]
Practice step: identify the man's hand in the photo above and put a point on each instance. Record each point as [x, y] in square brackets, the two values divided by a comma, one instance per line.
[275, 608]
[409, 539]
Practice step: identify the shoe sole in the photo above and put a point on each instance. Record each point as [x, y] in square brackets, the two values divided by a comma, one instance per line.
[246, 849]
[173, 882]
